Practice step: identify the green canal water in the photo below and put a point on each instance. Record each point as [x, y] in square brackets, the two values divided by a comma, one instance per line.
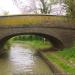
[21, 60]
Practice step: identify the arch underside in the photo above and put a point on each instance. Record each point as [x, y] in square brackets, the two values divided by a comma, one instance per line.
[55, 41]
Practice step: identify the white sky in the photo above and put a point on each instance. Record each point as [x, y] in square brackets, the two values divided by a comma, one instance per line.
[9, 6]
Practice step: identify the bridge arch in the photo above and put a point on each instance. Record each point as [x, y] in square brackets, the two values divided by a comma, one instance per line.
[56, 42]
[57, 29]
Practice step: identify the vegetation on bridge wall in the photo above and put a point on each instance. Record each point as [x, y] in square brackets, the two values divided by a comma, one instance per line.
[34, 20]
[70, 7]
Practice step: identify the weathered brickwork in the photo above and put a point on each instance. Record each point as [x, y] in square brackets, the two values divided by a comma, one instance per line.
[57, 29]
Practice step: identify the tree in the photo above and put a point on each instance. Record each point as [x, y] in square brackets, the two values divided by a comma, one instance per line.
[26, 6]
[70, 4]
[4, 12]
[36, 6]
[45, 7]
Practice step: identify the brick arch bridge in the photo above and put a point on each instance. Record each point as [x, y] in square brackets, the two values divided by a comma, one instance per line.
[57, 29]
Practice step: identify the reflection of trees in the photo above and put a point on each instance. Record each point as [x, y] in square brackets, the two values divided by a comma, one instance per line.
[38, 6]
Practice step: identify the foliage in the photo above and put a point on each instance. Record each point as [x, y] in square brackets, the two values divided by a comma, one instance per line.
[36, 42]
[27, 38]
[70, 7]
[46, 7]
[60, 64]
[36, 6]
[7, 45]
[67, 53]
[64, 59]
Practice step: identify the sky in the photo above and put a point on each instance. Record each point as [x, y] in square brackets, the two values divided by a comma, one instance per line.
[9, 6]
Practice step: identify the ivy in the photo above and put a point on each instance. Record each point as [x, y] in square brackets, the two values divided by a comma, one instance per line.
[70, 8]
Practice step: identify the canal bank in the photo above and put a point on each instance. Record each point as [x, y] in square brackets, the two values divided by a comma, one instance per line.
[55, 69]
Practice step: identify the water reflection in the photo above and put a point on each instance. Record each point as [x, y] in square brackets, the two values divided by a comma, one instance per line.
[23, 61]
[21, 58]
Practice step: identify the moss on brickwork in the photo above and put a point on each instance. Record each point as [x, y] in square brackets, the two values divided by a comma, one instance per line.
[34, 19]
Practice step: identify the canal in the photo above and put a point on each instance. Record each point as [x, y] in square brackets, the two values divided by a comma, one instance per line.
[21, 60]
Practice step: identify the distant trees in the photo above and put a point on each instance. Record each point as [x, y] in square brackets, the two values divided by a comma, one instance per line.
[38, 6]
[4, 12]
[45, 6]
[28, 37]
[70, 7]
[26, 6]
[35, 6]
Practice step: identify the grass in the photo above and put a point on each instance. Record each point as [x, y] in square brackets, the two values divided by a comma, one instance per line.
[67, 53]
[36, 44]
[60, 64]
[64, 59]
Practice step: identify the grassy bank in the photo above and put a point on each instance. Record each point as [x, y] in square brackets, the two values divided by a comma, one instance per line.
[36, 44]
[64, 60]
[68, 54]
[60, 64]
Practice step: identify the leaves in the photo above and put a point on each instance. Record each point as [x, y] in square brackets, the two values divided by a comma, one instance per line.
[70, 7]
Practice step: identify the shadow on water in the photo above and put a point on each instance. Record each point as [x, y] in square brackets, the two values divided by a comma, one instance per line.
[4, 55]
